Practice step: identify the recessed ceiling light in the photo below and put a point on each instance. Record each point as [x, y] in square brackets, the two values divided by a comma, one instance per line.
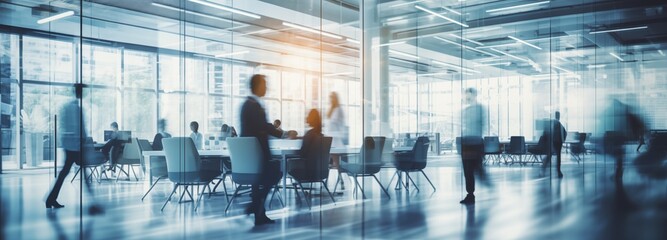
[307, 29]
[618, 30]
[590, 66]
[55, 17]
[225, 8]
[525, 43]
[440, 15]
[517, 6]
[616, 56]
[404, 54]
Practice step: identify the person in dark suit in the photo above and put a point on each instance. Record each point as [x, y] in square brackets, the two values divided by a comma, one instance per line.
[254, 124]
[556, 136]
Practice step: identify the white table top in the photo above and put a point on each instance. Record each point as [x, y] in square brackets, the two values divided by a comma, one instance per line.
[274, 151]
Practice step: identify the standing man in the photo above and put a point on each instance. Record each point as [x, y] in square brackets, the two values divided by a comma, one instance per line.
[255, 124]
[557, 137]
[72, 134]
[473, 124]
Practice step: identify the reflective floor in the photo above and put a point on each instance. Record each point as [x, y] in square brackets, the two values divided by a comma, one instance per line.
[523, 202]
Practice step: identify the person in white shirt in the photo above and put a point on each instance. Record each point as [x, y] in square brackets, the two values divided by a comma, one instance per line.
[196, 136]
[336, 126]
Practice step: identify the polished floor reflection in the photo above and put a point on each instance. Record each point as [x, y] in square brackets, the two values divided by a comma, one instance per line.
[523, 203]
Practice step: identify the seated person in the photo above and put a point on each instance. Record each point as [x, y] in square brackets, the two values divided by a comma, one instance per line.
[277, 123]
[114, 141]
[157, 140]
[196, 136]
[301, 168]
[227, 131]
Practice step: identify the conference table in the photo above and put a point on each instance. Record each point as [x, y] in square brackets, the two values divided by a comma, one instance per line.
[279, 148]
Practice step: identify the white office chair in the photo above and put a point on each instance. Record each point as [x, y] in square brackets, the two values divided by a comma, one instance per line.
[184, 167]
[247, 162]
[131, 157]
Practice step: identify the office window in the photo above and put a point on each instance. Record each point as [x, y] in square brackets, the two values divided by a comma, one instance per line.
[40, 105]
[139, 69]
[99, 110]
[293, 85]
[170, 73]
[47, 60]
[241, 77]
[139, 112]
[220, 111]
[101, 65]
[196, 75]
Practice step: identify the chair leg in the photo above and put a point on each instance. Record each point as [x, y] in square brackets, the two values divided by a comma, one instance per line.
[308, 200]
[337, 181]
[134, 172]
[199, 197]
[172, 193]
[413, 182]
[151, 188]
[327, 188]
[392, 179]
[180, 200]
[382, 187]
[427, 179]
[229, 203]
[189, 193]
[273, 195]
[296, 191]
[76, 173]
[361, 189]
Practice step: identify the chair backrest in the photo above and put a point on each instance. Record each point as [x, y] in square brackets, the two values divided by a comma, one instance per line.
[247, 159]
[182, 158]
[144, 145]
[317, 160]
[491, 144]
[517, 145]
[371, 151]
[582, 138]
[388, 151]
[420, 149]
[131, 152]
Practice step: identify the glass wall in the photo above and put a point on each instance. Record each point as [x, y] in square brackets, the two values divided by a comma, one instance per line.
[397, 67]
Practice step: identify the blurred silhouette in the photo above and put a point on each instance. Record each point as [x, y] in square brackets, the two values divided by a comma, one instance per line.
[651, 163]
[196, 136]
[161, 133]
[72, 135]
[336, 126]
[473, 124]
[555, 135]
[337, 129]
[621, 124]
[254, 124]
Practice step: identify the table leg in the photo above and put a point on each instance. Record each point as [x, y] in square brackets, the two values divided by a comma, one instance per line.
[283, 167]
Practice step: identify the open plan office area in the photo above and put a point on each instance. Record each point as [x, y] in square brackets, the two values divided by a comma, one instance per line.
[333, 119]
